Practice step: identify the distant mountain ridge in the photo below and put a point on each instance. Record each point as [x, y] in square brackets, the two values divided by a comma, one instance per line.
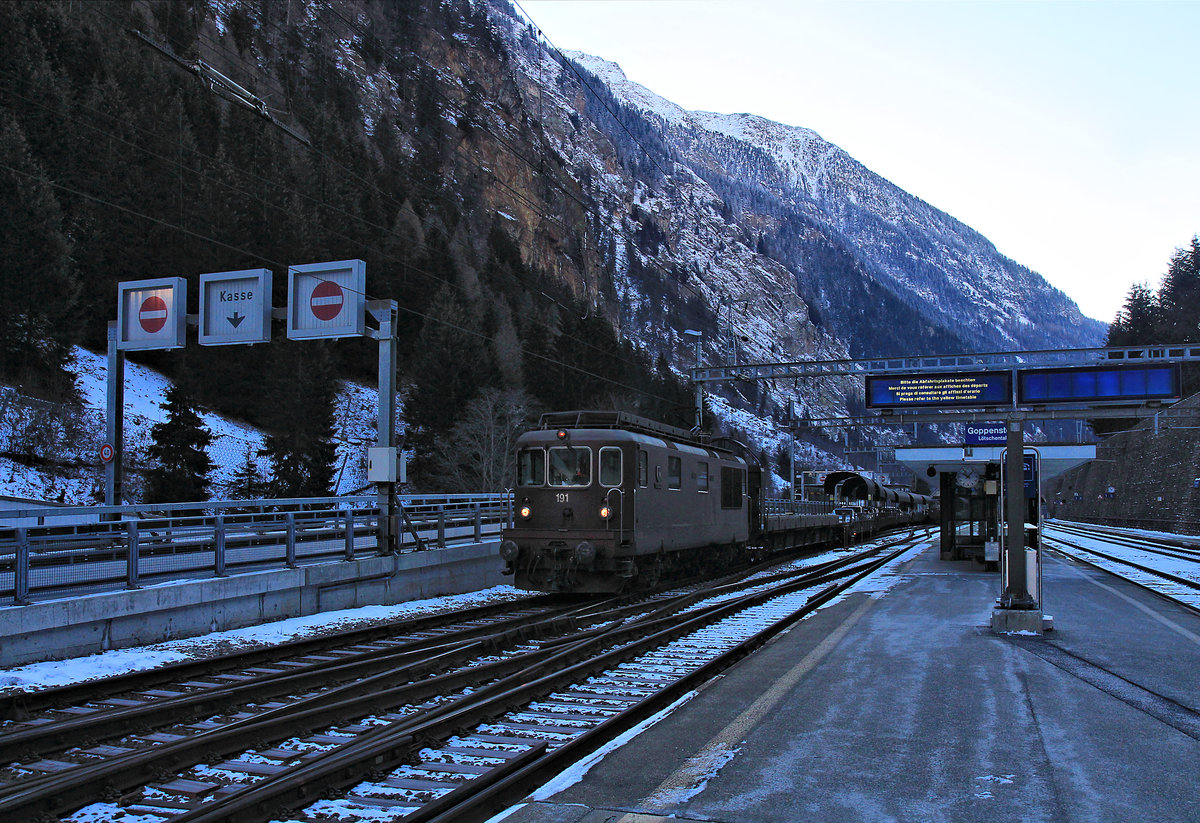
[913, 259]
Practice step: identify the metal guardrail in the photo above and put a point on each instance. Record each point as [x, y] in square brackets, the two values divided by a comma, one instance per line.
[78, 550]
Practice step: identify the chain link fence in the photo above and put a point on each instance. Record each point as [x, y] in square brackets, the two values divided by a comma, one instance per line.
[51, 451]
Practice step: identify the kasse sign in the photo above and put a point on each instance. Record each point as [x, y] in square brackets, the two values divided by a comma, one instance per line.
[235, 307]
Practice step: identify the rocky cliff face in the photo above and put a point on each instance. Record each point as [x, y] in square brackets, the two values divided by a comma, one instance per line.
[838, 227]
[772, 242]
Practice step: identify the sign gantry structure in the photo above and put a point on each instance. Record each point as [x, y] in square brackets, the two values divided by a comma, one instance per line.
[1017, 387]
[325, 300]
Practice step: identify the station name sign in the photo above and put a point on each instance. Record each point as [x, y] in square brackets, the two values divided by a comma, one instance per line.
[1123, 384]
[985, 434]
[967, 389]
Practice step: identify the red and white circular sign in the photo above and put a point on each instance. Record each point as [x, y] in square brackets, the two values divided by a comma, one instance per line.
[153, 314]
[327, 300]
[106, 453]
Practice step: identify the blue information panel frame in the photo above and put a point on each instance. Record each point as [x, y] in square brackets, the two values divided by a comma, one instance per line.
[1099, 384]
[939, 389]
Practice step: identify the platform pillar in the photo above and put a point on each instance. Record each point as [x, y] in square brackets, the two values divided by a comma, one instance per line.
[1018, 610]
[948, 482]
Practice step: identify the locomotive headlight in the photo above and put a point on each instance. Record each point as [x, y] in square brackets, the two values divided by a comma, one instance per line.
[509, 550]
[526, 512]
[605, 512]
[585, 552]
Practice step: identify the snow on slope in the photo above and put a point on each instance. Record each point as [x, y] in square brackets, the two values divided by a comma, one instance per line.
[941, 268]
[145, 392]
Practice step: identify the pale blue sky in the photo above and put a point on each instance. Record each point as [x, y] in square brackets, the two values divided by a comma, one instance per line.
[1068, 133]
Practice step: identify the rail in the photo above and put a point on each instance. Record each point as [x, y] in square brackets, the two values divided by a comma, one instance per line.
[66, 550]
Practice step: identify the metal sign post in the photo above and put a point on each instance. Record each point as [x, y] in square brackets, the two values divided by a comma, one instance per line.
[114, 473]
[386, 313]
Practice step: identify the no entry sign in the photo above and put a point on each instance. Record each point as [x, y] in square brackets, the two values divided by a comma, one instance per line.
[151, 314]
[327, 300]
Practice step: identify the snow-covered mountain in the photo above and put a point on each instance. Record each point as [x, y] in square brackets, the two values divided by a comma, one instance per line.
[926, 269]
[454, 148]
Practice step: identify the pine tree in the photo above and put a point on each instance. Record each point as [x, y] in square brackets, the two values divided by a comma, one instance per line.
[247, 482]
[37, 288]
[300, 444]
[1137, 320]
[450, 367]
[182, 465]
[1179, 297]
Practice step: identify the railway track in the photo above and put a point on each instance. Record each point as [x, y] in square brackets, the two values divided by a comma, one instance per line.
[458, 718]
[1167, 568]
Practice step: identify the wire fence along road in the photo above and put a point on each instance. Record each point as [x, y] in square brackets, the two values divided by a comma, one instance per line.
[62, 551]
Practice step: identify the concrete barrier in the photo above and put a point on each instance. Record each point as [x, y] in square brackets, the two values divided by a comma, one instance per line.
[94, 623]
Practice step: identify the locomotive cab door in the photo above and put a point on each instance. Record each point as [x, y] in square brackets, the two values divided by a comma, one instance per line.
[754, 492]
[612, 476]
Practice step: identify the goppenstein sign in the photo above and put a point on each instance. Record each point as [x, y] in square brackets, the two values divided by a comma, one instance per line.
[973, 389]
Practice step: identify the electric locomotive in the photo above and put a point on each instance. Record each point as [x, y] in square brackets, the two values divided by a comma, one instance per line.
[607, 501]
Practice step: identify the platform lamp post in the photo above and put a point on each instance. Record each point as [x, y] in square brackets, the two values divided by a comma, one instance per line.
[697, 336]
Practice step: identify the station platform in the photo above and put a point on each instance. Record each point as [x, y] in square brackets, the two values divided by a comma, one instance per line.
[906, 707]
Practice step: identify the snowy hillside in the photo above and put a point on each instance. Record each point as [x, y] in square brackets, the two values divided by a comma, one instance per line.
[788, 185]
[77, 474]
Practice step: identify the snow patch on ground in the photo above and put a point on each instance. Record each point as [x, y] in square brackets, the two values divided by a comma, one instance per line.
[52, 673]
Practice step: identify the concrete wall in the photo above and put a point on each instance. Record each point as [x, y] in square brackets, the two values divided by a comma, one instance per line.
[1152, 473]
[112, 620]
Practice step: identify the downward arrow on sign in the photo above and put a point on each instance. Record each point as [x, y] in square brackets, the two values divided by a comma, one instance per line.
[236, 320]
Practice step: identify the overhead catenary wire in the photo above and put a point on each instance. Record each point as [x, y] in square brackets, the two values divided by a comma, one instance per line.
[539, 168]
[616, 228]
[109, 202]
[168, 224]
[501, 141]
[251, 194]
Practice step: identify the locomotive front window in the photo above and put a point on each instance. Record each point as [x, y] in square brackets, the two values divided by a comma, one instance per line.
[610, 466]
[531, 467]
[570, 466]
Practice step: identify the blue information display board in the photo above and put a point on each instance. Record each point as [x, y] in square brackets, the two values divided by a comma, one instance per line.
[1097, 384]
[964, 389]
